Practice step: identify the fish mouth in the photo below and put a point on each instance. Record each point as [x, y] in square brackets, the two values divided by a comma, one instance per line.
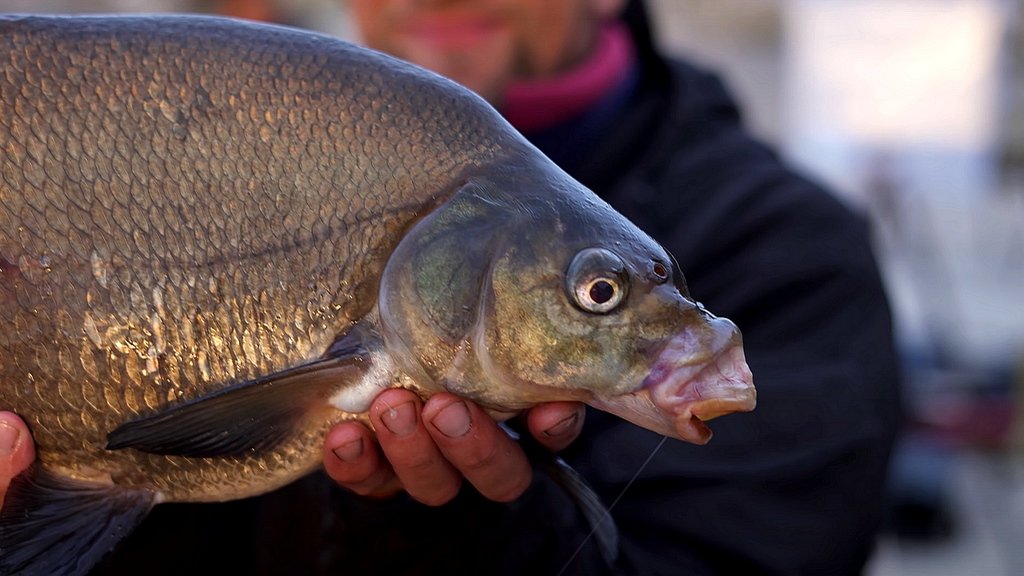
[722, 386]
[683, 391]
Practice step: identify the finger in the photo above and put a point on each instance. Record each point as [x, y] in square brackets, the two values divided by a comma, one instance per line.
[353, 460]
[16, 449]
[556, 424]
[475, 444]
[416, 460]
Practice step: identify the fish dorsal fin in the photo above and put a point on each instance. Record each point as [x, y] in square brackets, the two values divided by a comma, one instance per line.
[250, 417]
[56, 526]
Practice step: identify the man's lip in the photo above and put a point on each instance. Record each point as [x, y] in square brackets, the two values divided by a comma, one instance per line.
[452, 33]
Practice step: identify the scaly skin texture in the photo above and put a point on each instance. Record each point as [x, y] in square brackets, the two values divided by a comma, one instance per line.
[187, 204]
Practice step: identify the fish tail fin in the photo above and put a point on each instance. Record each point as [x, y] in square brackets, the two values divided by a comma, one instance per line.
[53, 525]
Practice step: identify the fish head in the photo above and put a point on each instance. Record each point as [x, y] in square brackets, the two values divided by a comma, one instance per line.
[516, 299]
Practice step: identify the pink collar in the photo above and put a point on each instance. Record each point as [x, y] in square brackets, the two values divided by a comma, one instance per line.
[534, 105]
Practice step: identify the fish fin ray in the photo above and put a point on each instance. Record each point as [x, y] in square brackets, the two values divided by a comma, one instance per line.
[53, 525]
[602, 525]
[248, 418]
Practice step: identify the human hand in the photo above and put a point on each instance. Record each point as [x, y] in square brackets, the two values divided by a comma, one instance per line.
[427, 449]
[17, 450]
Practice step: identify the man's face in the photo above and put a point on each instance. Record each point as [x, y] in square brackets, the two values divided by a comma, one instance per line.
[484, 44]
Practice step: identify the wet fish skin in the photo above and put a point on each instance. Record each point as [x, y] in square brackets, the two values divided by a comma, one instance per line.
[219, 239]
[188, 204]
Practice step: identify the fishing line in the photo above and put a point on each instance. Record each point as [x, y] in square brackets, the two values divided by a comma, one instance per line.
[614, 502]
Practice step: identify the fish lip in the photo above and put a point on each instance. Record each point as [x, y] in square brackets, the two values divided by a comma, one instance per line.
[692, 394]
[693, 378]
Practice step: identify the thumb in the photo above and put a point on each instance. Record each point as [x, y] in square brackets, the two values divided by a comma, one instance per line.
[16, 449]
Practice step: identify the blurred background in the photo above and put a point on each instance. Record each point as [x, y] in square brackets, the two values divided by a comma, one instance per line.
[912, 111]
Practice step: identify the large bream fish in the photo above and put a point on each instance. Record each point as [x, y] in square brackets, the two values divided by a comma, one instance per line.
[219, 239]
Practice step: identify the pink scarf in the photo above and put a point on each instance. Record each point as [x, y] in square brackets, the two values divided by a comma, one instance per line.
[534, 105]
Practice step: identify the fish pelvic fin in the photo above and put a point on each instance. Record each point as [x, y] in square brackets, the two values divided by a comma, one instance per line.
[53, 525]
[251, 417]
[602, 525]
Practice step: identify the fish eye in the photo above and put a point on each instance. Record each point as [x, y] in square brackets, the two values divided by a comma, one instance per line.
[596, 281]
[599, 295]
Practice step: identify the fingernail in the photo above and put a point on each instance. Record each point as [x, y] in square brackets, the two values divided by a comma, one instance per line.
[564, 426]
[400, 420]
[453, 420]
[350, 451]
[9, 437]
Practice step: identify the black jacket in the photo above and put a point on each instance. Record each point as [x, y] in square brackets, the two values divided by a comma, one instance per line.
[792, 488]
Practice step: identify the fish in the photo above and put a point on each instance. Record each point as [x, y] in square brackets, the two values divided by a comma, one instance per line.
[220, 238]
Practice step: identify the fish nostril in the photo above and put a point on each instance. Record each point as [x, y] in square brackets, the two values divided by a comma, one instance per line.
[677, 277]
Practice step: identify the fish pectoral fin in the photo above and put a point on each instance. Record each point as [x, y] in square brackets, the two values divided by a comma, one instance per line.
[50, 524]
[247, 418]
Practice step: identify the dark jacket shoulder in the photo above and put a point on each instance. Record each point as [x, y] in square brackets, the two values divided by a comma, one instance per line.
[782, 257]
[690, 173]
